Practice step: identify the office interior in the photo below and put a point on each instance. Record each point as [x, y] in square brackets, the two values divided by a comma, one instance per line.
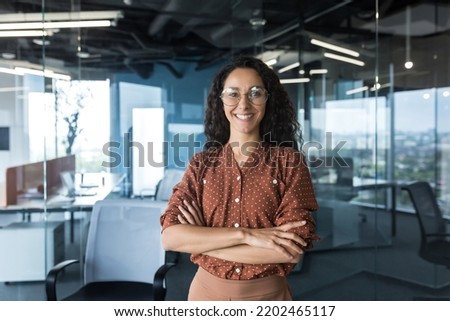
[96, 111]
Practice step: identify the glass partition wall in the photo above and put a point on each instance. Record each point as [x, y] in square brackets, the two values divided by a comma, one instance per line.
[48, 142]
[373, 102]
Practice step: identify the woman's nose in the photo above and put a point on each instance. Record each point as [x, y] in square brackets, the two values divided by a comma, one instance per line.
[244, 102]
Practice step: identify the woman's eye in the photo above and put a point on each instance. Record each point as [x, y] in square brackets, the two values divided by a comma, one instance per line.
[255, 93]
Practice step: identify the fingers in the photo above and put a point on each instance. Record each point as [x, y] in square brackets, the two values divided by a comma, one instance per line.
[293, 257]
[188, 217]
[290, 246]
[195, 211]
[284, 228]
[286, 243]
[191, 214]
[287, 226]
[182, 219]
[287, 248]
[195, 206]
[291, 236]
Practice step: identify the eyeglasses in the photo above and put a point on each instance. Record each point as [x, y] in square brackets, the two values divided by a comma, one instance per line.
[256, 95]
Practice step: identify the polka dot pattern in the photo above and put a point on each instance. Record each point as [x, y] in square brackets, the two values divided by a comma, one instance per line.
[272, 188]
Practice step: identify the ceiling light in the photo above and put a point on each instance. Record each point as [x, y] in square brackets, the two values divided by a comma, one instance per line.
[23, 33]
[11, 71]
[318, 71]
[409, 64]
[257, 22]
[356, 90]
[301, 72]
[289, 67]
[61, 16]
[45, 73]
[378, 86]
[55, 25]
[12, 89]
[83, 54]
[271, 62]
[41, 42]
[334, 47]
[29, 71]
[20, 24]
[345, 59]
[294, 80]
[8, 55]
[55, 75]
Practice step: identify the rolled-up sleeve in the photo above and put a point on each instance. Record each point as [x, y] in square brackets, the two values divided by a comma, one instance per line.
[186, 189]
[299, 200]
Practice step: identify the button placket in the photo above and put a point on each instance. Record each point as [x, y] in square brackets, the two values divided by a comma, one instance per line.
[238, 198]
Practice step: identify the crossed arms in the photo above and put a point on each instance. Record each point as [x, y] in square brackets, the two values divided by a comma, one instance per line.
[244, 245]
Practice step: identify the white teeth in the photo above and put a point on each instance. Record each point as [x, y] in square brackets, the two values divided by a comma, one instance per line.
[243, 117]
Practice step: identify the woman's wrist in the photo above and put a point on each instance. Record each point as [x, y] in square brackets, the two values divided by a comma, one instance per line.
[244, 235]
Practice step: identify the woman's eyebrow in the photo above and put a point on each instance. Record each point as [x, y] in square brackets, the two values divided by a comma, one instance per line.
[237, 88]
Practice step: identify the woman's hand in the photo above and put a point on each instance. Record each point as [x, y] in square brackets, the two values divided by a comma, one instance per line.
[191, 214]
[277, 238]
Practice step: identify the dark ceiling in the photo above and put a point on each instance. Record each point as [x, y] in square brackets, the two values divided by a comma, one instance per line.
[203, 32]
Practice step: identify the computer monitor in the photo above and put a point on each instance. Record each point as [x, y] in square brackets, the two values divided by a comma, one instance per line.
[68, 183]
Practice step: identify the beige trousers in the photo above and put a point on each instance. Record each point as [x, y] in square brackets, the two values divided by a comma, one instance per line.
[207, 287]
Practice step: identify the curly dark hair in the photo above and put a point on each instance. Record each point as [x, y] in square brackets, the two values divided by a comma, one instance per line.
[279, 125]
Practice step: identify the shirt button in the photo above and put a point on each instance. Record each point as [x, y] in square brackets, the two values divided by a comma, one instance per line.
[238, 178]
[238, 270]
[236, 224]
[237, 199]
[274, 181]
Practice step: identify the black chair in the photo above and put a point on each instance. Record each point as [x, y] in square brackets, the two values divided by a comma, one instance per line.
[435, 241]
[124, 259]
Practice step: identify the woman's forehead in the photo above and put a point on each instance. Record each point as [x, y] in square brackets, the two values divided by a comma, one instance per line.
[243, 78]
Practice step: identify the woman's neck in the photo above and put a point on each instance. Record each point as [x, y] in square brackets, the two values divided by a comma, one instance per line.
[242, 148]
[244, 141]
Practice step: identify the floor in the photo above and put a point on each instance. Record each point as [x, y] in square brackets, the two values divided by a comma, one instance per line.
[374, 267]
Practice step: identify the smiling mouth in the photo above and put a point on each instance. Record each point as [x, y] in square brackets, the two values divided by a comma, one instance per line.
[244, 117]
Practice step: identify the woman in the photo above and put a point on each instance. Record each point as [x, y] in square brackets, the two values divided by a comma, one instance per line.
[243, 207]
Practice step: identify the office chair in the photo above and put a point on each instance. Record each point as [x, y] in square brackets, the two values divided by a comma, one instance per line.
[124, 259]
[435, 241]
[165, 186]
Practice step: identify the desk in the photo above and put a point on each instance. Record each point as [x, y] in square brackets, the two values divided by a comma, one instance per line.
[347, 192]
[80, 204]
[76, 204]
[28, 251]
